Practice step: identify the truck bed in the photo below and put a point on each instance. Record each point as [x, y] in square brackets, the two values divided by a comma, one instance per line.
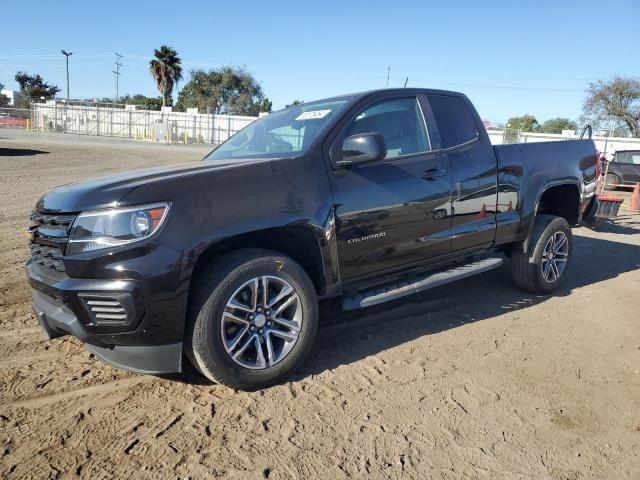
[526, 169]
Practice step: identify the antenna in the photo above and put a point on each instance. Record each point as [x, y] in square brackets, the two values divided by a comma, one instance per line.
[117, 74]
[388, 71]
[405, 82]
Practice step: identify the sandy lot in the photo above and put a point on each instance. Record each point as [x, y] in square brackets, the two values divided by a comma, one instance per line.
[471, 380]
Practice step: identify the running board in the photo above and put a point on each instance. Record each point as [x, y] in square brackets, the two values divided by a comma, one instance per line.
[394, 291]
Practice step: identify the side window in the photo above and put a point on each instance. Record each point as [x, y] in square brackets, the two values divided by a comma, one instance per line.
[399, 121]
[628, 157]
[455, 122]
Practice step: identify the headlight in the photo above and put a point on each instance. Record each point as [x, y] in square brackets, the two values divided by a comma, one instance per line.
[98, 229]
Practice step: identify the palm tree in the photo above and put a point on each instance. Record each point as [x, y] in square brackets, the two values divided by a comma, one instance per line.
[166, 70]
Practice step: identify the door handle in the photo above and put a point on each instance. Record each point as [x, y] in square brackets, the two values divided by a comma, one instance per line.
[433, 173]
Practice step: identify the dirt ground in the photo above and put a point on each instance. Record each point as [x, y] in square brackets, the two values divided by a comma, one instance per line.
[470, 380]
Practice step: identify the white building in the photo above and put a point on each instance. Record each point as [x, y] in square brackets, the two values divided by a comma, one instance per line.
[12, 95]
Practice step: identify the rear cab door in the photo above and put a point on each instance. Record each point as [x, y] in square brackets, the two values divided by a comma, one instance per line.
[471, 158]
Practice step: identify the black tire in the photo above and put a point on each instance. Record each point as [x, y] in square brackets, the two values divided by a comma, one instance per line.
[527, 268]
[214, 287]
[611, 181]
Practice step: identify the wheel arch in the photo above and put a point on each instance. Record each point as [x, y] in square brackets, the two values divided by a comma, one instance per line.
[300, 242]
[561, 199]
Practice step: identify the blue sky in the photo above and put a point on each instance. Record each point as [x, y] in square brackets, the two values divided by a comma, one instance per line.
[509, 57]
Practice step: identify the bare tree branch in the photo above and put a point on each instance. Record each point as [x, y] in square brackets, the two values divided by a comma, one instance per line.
[617, 100]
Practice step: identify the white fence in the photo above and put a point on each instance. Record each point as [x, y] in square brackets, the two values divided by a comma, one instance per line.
[148, 125]
[191, 127]
[606, 145]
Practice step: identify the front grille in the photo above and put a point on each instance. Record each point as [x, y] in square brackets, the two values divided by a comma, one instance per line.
[48, 257]
[50, 234]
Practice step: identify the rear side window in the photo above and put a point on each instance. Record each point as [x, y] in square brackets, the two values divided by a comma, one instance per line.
[455, 122]
[628, 157]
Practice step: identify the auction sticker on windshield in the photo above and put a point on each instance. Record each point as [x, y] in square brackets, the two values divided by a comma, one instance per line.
[313, 114]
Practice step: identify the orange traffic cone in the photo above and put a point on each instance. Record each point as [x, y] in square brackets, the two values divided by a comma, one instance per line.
[634, 204]
[510, 207]
[483, 211]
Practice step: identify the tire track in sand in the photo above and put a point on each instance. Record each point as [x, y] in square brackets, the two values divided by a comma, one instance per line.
[102, 388]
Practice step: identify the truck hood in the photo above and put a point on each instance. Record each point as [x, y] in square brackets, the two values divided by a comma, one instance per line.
[107, 191]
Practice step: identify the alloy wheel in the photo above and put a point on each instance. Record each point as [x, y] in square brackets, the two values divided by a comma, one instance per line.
[261, 322]
[555, 256]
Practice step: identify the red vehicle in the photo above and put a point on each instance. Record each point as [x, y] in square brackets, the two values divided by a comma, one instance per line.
[10, 120]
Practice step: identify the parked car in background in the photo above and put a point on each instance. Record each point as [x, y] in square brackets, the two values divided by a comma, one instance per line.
[623, 170]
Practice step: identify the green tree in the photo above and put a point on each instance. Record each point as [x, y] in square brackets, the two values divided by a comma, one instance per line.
[33, 87]
[618, 100]
[525, 123]
[557, 125]
[229, 89]
[166, 70]
[295, 102]
[149, 103]
[266, 106]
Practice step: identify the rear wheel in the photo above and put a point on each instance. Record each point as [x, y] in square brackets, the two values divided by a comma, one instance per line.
[611, 181]
[543, 267]
[253, 319]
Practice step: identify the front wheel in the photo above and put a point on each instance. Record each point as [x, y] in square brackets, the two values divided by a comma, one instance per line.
[253, 319]
[543, 267]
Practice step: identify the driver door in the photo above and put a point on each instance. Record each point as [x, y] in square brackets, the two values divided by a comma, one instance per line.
[392, 212]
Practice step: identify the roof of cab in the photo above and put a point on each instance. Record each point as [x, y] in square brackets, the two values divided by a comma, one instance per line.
[410, 91]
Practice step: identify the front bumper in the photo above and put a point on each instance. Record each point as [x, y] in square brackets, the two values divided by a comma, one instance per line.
[144, 332]
[56, 319]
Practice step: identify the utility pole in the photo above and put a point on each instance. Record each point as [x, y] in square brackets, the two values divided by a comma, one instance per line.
[388, 71]
[67, 54]
[117, 74]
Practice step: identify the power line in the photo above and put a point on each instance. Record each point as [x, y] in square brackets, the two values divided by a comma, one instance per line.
[494, 86]
[117, 74]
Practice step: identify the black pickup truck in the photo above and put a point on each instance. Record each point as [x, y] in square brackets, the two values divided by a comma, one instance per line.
[370, 196]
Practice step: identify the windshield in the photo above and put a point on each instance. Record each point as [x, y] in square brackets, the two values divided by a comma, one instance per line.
[281, 133]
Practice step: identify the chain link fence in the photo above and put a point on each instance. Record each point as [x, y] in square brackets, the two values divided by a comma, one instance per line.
[128, 122]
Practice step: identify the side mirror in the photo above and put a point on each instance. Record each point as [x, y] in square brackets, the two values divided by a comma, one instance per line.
[362, 148]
